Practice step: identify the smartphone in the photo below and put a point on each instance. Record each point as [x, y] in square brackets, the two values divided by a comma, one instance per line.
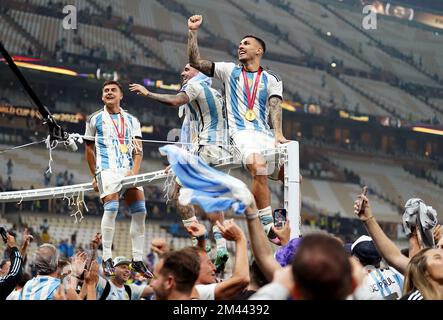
[4, 234]
[279, 216]
[364, 191]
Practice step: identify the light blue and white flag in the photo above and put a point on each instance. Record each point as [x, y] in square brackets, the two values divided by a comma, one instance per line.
[207, 187]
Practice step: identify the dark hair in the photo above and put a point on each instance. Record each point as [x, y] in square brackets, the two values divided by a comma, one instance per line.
[321, 268]
[107, 83]
[25, 277]
[184, 265]
[3, 262]
[262, 43]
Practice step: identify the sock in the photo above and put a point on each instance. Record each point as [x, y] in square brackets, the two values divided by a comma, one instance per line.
[187, 223]
[137, 229]
[219, 240]
[108, 227]
[266, 219]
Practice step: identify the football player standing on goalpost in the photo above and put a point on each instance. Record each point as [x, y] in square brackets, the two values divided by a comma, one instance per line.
[252, 95]
[113, 152]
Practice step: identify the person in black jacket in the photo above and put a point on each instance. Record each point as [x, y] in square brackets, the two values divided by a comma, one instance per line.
[8, 282]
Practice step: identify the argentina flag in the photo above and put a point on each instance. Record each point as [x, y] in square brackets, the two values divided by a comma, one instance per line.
[202, 185]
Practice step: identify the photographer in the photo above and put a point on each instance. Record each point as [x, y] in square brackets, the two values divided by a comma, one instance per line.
[8, 282]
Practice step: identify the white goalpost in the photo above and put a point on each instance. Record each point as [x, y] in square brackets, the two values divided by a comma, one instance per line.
[288, 155]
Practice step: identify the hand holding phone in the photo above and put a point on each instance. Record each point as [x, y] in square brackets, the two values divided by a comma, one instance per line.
[279, 216]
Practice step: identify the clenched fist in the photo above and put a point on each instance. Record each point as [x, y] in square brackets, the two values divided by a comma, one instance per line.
[194, 22]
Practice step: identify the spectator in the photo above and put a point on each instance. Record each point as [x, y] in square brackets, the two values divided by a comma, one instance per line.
[176, 274]
[207, 287]
[44, 285]
[258, 280]
[45, 231]
[71, 180]
[19, 287]
[10, 167]
[116, 289]
[4, 267]
[320, 270]
[47, 177]
[424, 276]
[387, 249]
[379, 283]
[74, 238]
[10, 280]
[8, 185]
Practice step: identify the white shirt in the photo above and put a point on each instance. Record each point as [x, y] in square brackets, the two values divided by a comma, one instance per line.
[269, 85]
[101, 130]
[116, 293]
[206, 107]
[381, 284]
[206, 291]
[14, 295]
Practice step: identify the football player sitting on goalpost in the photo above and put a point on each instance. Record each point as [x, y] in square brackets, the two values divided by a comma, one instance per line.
[203, 107]
[252, 95]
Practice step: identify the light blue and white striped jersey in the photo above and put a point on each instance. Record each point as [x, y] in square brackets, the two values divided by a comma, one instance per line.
[206, 107]
[382, 284]
[101, 130]
[269, 85]
[116, 293]
[40, 288]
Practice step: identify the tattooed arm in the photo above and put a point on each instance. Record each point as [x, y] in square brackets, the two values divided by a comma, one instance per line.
[174, 100]
[275, 113]
[205, 66]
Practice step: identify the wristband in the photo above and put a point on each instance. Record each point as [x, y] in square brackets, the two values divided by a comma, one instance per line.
[371, 217]
[251, 216]
[203, 237]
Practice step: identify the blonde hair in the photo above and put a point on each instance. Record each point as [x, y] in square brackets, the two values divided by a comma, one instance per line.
[417, 277]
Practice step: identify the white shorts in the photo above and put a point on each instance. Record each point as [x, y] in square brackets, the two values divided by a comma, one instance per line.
[212, 154]
[248, 142]
[109, 181]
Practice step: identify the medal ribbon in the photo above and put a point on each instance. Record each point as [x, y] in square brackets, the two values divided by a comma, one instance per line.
[254, 90]
[121, 136]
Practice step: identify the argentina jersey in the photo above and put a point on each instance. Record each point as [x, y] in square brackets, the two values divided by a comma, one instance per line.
[109, 132]
[269, 85]
[40, 288]
[381, 284]
[118, 293]
[206, 107]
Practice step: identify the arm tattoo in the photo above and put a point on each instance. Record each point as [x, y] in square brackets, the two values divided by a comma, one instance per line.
[276, 114]
[195, 61]
[170, 99]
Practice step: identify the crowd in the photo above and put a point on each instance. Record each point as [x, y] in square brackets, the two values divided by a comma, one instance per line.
[313, 266]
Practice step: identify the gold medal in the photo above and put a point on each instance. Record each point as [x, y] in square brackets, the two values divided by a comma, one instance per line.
[123, 148]
[250, 115]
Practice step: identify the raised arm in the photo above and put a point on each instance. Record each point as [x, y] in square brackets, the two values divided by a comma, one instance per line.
[205, 66]
[174, 100]
[260, 244]
[275, 112]
[387, 249]
[8, 282]
[240, 275]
